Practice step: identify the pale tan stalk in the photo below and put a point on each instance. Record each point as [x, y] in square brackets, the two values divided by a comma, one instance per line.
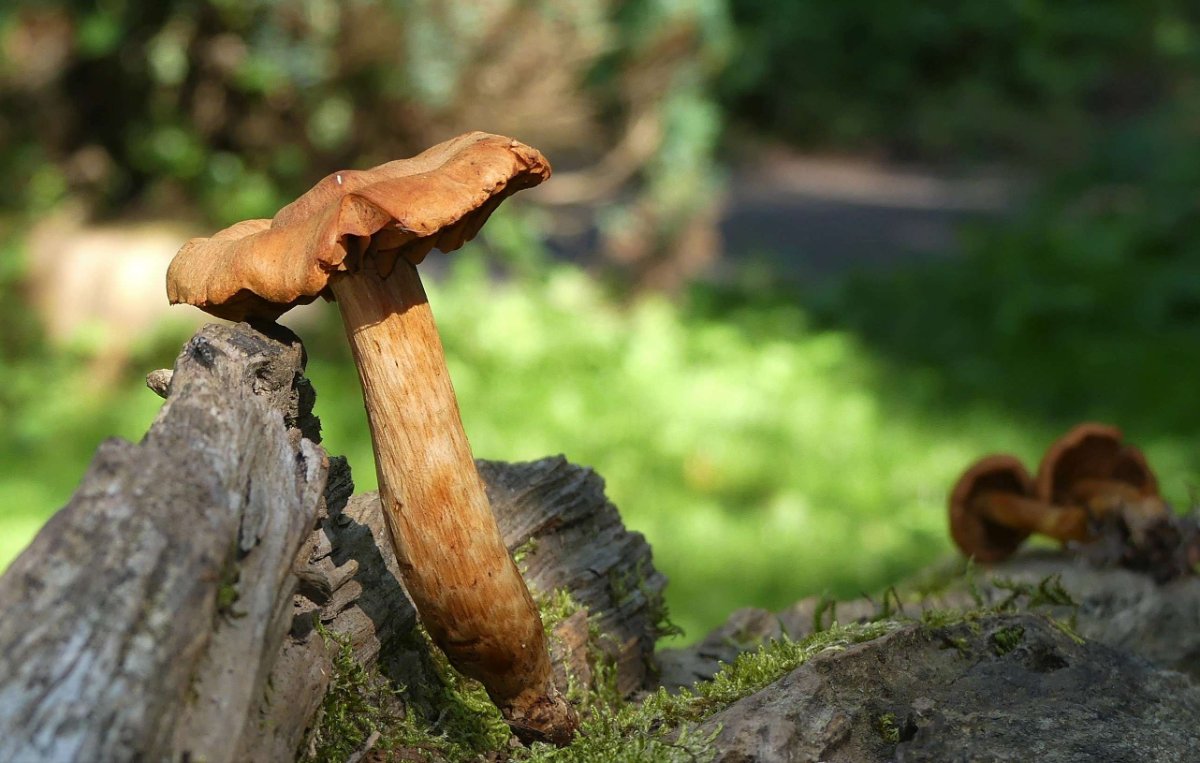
[465, 585]
[1032, 515]
[1105, 496]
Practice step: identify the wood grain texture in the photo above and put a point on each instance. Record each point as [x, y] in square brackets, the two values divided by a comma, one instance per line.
[574, 539]
[137, 623]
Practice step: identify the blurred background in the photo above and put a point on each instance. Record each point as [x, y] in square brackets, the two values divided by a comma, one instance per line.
[800, 262]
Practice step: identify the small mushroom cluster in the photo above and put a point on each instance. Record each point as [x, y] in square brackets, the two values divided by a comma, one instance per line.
[1087, 476]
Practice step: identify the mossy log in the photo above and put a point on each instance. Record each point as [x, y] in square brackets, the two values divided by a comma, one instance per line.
[184, 604]
[566, 535]
[1006, 688]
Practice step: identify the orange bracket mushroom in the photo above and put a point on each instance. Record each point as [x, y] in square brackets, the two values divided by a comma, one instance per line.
[1090, 466]
[993, 510]
[357, 237]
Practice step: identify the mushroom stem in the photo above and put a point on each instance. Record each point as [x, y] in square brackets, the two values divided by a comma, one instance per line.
[1031, 515]
[1104, 496]
[455, 566]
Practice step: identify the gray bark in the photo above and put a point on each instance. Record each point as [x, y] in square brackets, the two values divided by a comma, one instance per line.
[172, 609]
[1005, 688]
[1117, 607]
[136, 624]
[575, 540]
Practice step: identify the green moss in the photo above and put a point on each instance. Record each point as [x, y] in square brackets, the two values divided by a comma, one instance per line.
[891, 605]
[464, 712]
[825, 606]
[633, 582]
[227, 596]
[959, 643]
[465, 725]
[663, 727]
[1020, 597]
[940, 618]
[752, 671]
[360, 703]
[887, 728]
[227, 585]
[522, 552]
[555, 607]
[604, 691]
[558, 606]
[1067, 628]
[608, 735]
[952, 575]
[1047, 592]
[1007, 639]
[356, 705]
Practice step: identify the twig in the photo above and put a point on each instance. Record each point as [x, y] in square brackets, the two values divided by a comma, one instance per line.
[159, 381]
[371, 741]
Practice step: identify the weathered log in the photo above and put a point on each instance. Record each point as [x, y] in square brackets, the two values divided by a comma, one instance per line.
[573, 539]
[931, 693]
[139, 623]
[1117, 607]
[181, 605]
[1002, 688]
[553, 514]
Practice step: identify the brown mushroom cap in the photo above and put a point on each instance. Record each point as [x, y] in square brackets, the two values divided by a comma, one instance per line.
[437, 199]
[975, 534]
[1092, 451]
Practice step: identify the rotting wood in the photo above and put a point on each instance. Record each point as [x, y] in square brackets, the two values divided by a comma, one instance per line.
[139, 622]
[570, 537]
[169, 609]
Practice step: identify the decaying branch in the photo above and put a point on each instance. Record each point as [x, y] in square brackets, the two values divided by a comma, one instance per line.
[141, 621]
[183, 605]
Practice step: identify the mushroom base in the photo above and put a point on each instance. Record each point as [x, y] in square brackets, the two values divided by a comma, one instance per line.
[465, 585]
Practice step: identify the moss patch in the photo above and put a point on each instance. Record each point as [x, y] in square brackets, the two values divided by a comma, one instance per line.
[888, 729]
[1007, 639]
[661, 728]
[362, 708]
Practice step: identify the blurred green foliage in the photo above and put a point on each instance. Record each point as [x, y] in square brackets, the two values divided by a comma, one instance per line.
[957, 79]
[1086, 304]
[764, 457]
[52, 412]
[224, 110]
[771, 444]
[729, 435]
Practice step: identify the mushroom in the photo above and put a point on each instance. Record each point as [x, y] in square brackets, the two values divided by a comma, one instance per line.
[357, 237]
[1090, 466]
[993, 510]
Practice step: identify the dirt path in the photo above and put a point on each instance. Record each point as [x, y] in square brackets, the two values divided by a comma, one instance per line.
[811, 217]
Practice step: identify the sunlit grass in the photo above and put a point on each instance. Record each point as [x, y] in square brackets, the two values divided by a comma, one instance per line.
[764, 459]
